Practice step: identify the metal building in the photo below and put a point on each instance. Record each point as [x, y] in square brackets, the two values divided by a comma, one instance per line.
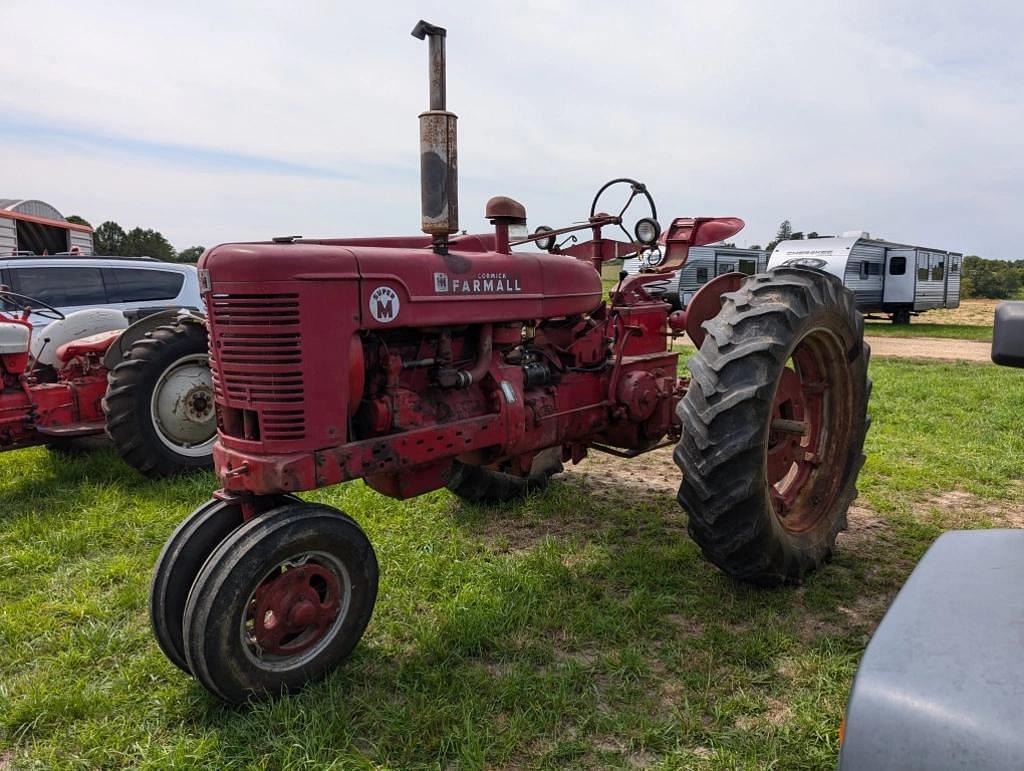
[885, 277]
[35, 227]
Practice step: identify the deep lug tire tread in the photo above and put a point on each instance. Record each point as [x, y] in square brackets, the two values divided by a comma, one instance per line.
[724, 416]
[130, 387]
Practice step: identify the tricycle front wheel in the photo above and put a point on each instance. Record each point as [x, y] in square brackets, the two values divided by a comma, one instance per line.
[282, 601]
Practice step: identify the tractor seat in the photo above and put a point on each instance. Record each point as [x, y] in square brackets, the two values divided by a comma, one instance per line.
[97, 344]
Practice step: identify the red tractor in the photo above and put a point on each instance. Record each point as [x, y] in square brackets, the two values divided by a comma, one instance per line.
[88, 373]
[454, 361]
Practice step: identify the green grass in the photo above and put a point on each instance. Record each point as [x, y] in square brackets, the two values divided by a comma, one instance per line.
[955, 331]
[576, 629]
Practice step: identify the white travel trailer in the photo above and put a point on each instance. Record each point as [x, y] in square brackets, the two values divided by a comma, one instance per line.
[702, 265]
[885, 277]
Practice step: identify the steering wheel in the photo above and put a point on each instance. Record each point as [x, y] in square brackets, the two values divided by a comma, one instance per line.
[38, 307]
[636, 189]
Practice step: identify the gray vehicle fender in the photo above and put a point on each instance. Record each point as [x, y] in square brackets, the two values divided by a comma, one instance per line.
[116, 353]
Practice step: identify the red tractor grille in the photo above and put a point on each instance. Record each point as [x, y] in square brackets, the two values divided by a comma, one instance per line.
[257, 361]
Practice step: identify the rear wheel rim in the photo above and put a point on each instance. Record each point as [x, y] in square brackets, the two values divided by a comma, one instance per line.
[296, 611]
[809, 431]
[182, 407]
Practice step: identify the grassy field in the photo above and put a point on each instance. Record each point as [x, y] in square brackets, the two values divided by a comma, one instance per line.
[921, 329]
[580, 628]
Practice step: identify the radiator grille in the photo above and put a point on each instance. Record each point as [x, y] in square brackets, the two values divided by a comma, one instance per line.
[258, 359]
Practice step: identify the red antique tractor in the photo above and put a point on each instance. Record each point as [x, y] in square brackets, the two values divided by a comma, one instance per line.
[423, 362]
[86, 373]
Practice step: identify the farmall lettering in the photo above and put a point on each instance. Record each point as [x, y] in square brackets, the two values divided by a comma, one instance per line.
[482, 283]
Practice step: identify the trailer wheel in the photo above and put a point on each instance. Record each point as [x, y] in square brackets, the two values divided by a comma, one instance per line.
[159, 402]
[480, 484]
[773, 426]
[281, 602]
[180, 561]
[901, 317]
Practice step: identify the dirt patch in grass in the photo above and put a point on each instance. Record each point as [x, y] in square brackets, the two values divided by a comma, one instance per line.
[941, 349]
[653, 476]
[959, 508]
[864, 526]
[972, 312]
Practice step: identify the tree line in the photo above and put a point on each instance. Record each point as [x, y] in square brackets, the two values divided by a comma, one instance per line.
[981, 277]
[110, 239]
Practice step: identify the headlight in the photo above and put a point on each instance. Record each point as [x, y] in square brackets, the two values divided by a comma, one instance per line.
[647, 231]
[546, 244]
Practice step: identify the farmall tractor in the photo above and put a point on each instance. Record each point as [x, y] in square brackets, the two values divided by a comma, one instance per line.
[146, 385]
[423, 362]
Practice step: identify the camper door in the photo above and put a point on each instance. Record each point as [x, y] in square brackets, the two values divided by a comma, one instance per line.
[900, 267]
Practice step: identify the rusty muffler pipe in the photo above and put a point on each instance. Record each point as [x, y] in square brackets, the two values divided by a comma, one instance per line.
[439, 162]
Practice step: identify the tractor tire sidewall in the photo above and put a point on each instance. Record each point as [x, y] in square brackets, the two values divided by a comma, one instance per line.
[213, 644]
[180, 562]
[128, 401]
[735, 376]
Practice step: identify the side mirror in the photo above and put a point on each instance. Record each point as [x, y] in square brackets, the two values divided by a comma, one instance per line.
[1008, 334]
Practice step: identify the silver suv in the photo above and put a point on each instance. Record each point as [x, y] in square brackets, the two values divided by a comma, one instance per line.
[138, 286]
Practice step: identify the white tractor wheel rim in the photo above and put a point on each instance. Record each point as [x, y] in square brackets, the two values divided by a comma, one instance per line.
[182, 407]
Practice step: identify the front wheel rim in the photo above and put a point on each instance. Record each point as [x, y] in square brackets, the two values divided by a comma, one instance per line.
[296, 611]
[182, 407]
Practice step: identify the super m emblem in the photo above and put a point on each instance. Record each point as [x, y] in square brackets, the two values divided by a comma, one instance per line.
[384, 304]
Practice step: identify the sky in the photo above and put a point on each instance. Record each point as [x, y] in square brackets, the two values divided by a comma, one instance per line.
[221, 121]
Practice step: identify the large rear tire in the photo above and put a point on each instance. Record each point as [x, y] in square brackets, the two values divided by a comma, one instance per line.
[159, 402]
[773, 426]
[483, 484]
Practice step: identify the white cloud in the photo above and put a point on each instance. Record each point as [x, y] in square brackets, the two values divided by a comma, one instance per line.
[900, 120]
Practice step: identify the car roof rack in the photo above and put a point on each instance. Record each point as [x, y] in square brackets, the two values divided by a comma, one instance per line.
[33, 256]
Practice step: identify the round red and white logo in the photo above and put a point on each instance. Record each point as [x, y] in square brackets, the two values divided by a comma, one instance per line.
[384, 304]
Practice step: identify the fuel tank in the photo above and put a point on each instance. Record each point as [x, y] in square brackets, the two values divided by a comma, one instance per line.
[403, 282]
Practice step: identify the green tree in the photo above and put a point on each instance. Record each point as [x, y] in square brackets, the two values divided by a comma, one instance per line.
[190, 255]
[108, 239]
[994, 279]
[74, 219]
[784, 233]
[139, 242]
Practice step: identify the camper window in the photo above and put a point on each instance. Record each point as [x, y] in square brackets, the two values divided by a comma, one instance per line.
[726, 267]
[922, 267]
[748, 266]
[702, 275]
[897, 266]
[954, 266]
[938, 269]
[870, 269]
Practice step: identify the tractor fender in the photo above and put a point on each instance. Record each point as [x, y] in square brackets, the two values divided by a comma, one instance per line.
[116, 353]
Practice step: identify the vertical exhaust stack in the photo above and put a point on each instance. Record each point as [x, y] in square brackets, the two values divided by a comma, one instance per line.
[439, 162]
